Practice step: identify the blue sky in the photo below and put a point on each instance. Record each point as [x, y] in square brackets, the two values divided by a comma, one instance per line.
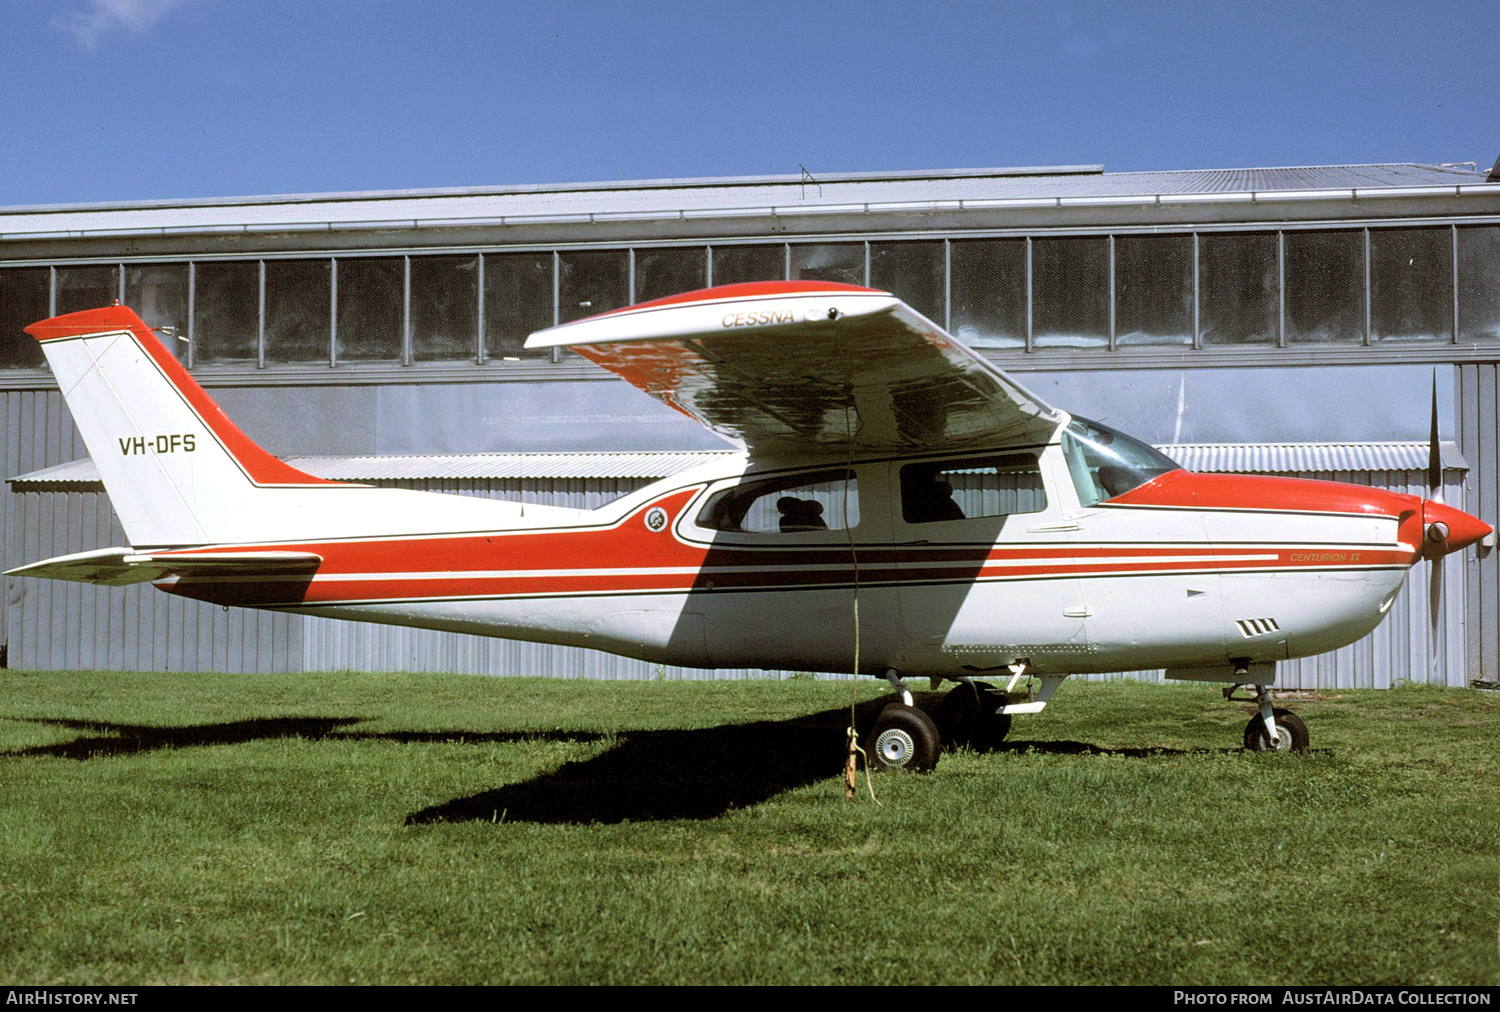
[146, 99]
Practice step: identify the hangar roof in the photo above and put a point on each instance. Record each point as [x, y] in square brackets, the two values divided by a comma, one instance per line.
[731, 197]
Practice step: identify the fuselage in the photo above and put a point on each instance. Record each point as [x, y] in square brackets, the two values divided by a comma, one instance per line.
[760, 566]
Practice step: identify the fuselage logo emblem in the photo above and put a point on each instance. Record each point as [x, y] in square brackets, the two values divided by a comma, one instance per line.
[656, 518]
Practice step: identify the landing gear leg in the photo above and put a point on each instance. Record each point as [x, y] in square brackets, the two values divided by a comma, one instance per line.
[902, 692]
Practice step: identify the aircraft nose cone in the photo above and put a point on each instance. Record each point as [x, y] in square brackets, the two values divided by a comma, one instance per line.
[1448, 529]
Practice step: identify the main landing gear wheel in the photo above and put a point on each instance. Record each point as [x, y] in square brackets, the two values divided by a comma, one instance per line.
[903, 738]
[968, 716]
[1291, 733]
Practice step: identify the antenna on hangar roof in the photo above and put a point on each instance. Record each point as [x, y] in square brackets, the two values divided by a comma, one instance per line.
[807, 177]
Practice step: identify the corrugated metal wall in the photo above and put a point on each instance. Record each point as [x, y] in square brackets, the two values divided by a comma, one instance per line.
[39, 433]
[57, 625]
[577, 493]
[1479, 439]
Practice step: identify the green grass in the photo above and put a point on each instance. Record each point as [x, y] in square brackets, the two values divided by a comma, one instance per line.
[428, 829]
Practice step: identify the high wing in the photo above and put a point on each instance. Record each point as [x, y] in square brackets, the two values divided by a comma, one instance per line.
[790, 369]
[116, 567]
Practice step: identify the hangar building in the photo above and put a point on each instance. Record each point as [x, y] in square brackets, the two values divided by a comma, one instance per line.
[1275, 320]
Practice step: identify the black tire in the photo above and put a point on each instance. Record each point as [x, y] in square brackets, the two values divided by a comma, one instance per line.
[968, 718]
[903, 738]
[1291, 737]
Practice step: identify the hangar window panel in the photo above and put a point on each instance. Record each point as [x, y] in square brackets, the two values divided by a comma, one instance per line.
[737, 264]
[988, 292]
[25, 294]
[591, 282]
[1411, 284]
[663, 272]
[1070, 293]
[1324, 275]
[298, 297]
[843, 262]
[1153, 290]
[913, 271]
[517, 301]
[369, 312]
[80, 288]
[1237, 288]
[226, 309]
[445, 308]
[159, 294]
[1479, 283]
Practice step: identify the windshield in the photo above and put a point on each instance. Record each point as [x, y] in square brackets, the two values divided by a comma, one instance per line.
[1105, 463]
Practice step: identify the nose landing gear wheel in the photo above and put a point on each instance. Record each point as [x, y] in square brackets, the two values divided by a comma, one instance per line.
[1291, 733]
[903, 738]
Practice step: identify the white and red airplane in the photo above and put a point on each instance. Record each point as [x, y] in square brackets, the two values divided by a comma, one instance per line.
[901, 508]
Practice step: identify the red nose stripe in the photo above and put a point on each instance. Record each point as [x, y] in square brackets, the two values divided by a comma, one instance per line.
[1186, 490]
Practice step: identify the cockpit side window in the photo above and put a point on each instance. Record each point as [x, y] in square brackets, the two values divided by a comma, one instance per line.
[972, 487]
[790, 504]
[1105, 463]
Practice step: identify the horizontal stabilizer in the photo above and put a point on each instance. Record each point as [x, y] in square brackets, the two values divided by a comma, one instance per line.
[116, 567]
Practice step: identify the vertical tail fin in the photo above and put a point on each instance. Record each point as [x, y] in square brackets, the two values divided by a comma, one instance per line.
[177, 470]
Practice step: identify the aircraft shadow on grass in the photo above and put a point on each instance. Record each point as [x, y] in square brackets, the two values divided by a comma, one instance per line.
[131, 739]
[646, 776]
[698, 774]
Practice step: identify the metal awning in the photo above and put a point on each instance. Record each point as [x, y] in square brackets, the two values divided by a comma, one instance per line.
[1224, 458]
[1311, 458]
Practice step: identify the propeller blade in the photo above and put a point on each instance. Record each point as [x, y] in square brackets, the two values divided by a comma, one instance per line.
[1435, 563]
[1434, 452]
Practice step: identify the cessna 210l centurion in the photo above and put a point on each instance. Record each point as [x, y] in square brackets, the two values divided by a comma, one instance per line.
[901, 506]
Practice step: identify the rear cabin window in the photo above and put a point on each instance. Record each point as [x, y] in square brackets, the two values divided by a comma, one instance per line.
[791, 504]
[972, 487]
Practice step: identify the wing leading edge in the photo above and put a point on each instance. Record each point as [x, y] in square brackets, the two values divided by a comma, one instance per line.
[802, 368]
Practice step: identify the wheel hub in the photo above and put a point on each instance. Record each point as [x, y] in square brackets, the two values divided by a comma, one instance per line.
[895, 747]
